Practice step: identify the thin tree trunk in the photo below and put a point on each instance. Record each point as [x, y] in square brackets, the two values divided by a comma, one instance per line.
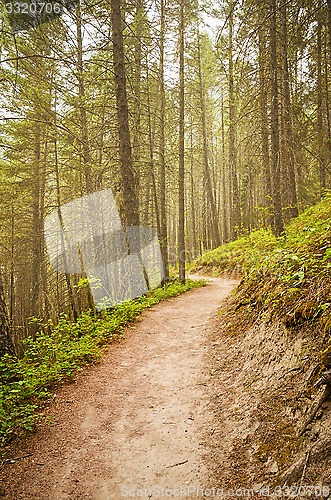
[35, 303]
[162, 171]
[235, 204]
[193, 211]
[137, 137]
[6, 344]
[85, 147]
[181, 172]
[129, 203]
[72, 303]
[327, 108]
[288, 150]
[275, 150]
[44, 304]
[12, 269]
[209, 187]
[320, 130]
[152, 163]
[224, 184]
[264, 122]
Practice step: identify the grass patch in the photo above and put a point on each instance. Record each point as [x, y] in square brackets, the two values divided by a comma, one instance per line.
[59, 352]
[237, 257]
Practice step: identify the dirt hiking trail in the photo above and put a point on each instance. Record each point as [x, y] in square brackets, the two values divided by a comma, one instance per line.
[134, 420]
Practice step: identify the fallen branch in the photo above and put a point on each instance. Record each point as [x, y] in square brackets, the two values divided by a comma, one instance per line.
[314, 371]
[175, 465]
[13, 460]
[305, 467]
[298, 369]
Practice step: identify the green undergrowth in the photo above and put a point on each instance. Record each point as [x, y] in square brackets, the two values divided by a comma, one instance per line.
[288, 279]
[293, 282]
[236, 257]
[59, 352]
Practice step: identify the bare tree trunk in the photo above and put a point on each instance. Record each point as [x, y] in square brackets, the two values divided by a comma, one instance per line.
[129, 203]
[162, 172]
[264, 122]
[85, 147]
[225, 235]
[6, 344]
[329, 80]
[151, 160]
[12, 269]
[327, 59]
[193, 211]
[320, 125]
[137, 137]
[235, 202]
[209, 187]
[275, 150]
[288, 150]
[72, 303]
[44, 305]
[181, 173]
[37, 235]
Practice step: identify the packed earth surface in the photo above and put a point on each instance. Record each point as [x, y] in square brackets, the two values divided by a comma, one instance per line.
[173, 409]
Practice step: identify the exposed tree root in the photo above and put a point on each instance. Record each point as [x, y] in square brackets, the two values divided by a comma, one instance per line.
[323, 397]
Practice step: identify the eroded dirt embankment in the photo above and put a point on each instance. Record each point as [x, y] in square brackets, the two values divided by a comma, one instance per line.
[263, 394]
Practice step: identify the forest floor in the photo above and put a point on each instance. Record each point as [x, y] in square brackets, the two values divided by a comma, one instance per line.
[177, 408]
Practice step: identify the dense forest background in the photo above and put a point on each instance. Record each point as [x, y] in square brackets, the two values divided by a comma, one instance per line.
[206, 121]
